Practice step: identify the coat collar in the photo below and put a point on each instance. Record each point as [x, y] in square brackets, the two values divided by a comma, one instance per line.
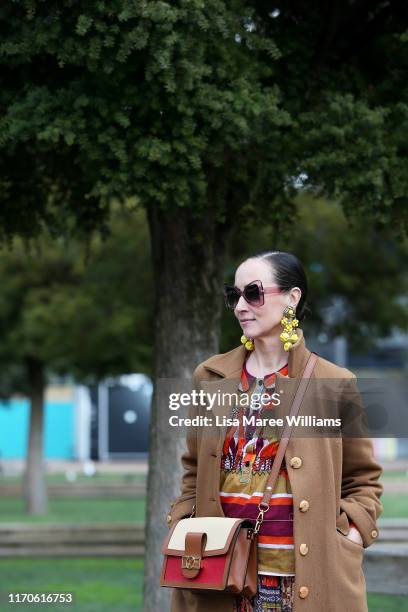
[229, 365]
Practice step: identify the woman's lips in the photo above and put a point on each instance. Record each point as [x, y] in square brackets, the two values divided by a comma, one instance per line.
[246, 321]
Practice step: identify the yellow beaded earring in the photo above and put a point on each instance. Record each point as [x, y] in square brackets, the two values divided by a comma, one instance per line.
[249, 345]
[289, 322]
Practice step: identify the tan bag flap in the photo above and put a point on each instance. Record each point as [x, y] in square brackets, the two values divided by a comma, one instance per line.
[219, 530]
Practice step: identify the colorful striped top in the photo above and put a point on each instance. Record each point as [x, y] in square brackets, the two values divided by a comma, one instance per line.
[246, 463]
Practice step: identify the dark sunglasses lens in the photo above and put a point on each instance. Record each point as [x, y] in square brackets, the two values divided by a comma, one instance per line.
[252, 294]
[231, 297]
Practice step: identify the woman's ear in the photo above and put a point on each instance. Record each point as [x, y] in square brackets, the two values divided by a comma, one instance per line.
[295, 294]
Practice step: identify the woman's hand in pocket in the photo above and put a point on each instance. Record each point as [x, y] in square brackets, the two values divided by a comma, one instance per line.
[354, 536]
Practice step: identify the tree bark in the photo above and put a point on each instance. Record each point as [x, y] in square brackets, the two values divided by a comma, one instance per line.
[188, 258]
[35, 489]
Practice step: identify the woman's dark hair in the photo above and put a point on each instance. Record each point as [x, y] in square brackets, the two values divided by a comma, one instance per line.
[288, 272]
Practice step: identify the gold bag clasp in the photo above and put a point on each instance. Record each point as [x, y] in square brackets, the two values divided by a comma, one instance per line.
[190, 562]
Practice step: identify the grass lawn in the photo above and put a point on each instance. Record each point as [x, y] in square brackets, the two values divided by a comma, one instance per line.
[77, 510]
[387, 603]
[103, 478]
[395, 505]
[97, 585]
[399, 474]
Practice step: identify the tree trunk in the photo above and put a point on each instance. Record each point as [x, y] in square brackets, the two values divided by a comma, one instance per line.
[188, 255]
[35, 490]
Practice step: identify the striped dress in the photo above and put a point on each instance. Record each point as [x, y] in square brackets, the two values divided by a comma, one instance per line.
[248, 455]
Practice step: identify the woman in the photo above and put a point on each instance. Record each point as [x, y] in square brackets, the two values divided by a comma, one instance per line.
[326, 500]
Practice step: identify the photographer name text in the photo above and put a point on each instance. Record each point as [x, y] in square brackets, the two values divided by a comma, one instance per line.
[253, 420]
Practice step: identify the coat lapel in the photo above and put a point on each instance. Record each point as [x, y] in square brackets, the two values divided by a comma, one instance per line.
[228, 367]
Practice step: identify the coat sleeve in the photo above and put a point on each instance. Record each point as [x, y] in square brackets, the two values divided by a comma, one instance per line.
[360, 486]
[183, 505]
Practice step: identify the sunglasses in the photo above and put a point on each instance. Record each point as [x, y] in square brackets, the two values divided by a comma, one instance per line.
[253, 293]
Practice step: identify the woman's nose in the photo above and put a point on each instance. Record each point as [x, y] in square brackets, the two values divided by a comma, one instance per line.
[241, 304]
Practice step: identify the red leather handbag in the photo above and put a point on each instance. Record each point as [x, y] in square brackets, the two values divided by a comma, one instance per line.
[211, 553]
[214, 553]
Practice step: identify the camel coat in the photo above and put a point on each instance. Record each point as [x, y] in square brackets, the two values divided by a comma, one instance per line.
[337, 476]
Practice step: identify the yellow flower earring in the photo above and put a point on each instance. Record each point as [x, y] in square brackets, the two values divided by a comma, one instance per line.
[289, 322]
[249, 344]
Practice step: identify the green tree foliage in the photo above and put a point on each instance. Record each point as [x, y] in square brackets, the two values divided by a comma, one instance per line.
[212, 105]
[83, 311]
[160, 100]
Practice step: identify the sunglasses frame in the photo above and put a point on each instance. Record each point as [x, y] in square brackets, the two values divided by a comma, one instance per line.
[262, 290]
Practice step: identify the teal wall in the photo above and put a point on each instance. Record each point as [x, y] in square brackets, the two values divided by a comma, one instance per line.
[58, 432]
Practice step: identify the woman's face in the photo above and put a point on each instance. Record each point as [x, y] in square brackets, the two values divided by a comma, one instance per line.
[259, 321]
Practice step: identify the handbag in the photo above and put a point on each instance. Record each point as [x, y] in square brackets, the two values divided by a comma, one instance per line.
[213, 553]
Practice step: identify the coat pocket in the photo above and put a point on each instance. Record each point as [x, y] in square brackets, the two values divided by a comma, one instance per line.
[348, 541]
[350, 580]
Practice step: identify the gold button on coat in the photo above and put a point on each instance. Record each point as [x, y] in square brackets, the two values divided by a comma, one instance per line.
[303, 592]
[374, 533]
[304, 505]
[168, 518]
[296, 462]
[303, 549]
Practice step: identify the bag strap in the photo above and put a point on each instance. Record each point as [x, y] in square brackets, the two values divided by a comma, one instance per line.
[263, 505]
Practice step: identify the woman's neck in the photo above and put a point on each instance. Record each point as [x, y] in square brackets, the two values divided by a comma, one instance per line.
[268, 356]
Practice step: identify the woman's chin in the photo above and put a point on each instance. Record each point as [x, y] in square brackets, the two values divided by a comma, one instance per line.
[250, 333]
[248, 329]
